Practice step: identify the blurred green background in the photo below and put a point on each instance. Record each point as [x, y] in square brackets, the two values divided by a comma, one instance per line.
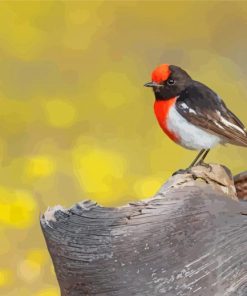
[76, 121]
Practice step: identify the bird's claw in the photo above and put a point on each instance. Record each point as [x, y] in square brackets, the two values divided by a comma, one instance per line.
[182, 171]
[206, 165]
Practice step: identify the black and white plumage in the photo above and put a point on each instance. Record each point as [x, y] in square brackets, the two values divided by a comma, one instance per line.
[192, 114]
[200, 106]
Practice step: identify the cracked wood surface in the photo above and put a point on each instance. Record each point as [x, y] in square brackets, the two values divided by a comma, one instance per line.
[189, 239]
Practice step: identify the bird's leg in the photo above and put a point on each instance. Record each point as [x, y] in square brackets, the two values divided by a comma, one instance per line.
[196, 159]
[183, 171]
[201, 161]
[203, 153]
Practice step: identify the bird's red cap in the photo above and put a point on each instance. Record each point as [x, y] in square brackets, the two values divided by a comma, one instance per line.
[161, 73]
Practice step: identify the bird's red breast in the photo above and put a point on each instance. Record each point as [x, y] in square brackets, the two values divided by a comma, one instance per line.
[161, 110]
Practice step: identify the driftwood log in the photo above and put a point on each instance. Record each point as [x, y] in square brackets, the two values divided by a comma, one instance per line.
[189, 239]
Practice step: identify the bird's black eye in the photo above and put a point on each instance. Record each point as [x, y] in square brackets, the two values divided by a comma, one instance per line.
[170, 81]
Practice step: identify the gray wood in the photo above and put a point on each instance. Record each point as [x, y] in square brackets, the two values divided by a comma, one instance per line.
[189, 239]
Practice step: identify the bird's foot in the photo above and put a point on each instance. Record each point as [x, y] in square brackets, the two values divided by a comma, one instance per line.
[182, 171]
[206, 165]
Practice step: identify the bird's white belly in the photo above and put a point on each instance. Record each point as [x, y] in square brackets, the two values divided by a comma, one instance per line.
[190, 136]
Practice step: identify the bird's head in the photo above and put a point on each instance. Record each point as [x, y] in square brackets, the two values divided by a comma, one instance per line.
[168, 81]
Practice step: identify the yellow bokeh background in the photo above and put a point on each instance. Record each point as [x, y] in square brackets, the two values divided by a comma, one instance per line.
[76, 121]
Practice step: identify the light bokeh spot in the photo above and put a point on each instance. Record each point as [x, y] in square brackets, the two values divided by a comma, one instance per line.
[6, 277]
[60, 113]
[40, 166]
[17, 208]
[99, 171]
[29, 270]
[147, 186]
[39, 256]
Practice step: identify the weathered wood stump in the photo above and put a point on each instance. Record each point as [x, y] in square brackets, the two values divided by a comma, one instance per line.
[189, 239]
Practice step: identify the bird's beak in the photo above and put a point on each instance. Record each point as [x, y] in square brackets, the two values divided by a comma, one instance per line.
[151, 84]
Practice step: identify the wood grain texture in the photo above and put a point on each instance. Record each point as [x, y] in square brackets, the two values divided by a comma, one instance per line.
[240, 181]
[189, 239]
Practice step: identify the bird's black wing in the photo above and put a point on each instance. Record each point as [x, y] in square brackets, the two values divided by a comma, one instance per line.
[199, 105]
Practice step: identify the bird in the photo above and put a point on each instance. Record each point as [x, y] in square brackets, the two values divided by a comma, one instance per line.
[191, 114]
